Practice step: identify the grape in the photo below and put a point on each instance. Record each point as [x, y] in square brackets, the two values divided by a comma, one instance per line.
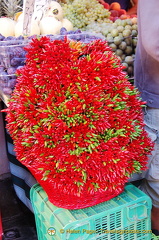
[20, 37]
[1, 37]
[12, 56]
[77, 31]
[7, 91]
[32, 37]
[1, 69]
[9, 38]
[11, 70]
[17, 61]
[18, 51]
[11, 83]
[11, 52]
[5, 61]
[4, 77]
[63, 31]
[71, 32]
[83, 12]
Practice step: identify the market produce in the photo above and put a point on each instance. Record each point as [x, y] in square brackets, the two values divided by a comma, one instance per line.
[116, 11]
[47, 25]
[7, 26]
[83, 12]
[121, 34]
[12, 54]
[50, 25]
[77, 122]
[55, 10]
[67, 24]
[106, 5]
[34, 28]
[122, 38]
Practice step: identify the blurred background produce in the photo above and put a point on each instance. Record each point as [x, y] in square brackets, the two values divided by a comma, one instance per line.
[64, 17]
[118, 27]
[83, 12]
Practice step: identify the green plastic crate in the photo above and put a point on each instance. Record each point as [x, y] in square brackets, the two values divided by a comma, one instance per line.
[125, 217]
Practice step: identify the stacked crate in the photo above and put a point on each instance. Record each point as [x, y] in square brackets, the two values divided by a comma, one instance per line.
[125, 217]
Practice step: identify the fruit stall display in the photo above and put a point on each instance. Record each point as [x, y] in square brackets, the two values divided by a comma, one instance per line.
[12, 57]
[13, 54]
[119, 28]
[81, 20]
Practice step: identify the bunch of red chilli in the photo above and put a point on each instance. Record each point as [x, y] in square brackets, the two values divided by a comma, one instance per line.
[77, 122]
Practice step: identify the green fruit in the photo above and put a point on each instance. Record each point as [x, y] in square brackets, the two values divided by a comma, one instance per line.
[114, 25]
[134, 26]
[129, 60]
[122, 45]
[123, 57]
[114, 32]
[134, 33]
[129, 21]
[117, 40]
[120, 28]
[105, 32]
[119, 52]
[118, 21]
[121, 35]
[126, 33]
[128, 41]
[128, 50]
[128, 27]
[130, 71]
[123, 23]
[110, 39]
[125, 66]
[113, 46]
